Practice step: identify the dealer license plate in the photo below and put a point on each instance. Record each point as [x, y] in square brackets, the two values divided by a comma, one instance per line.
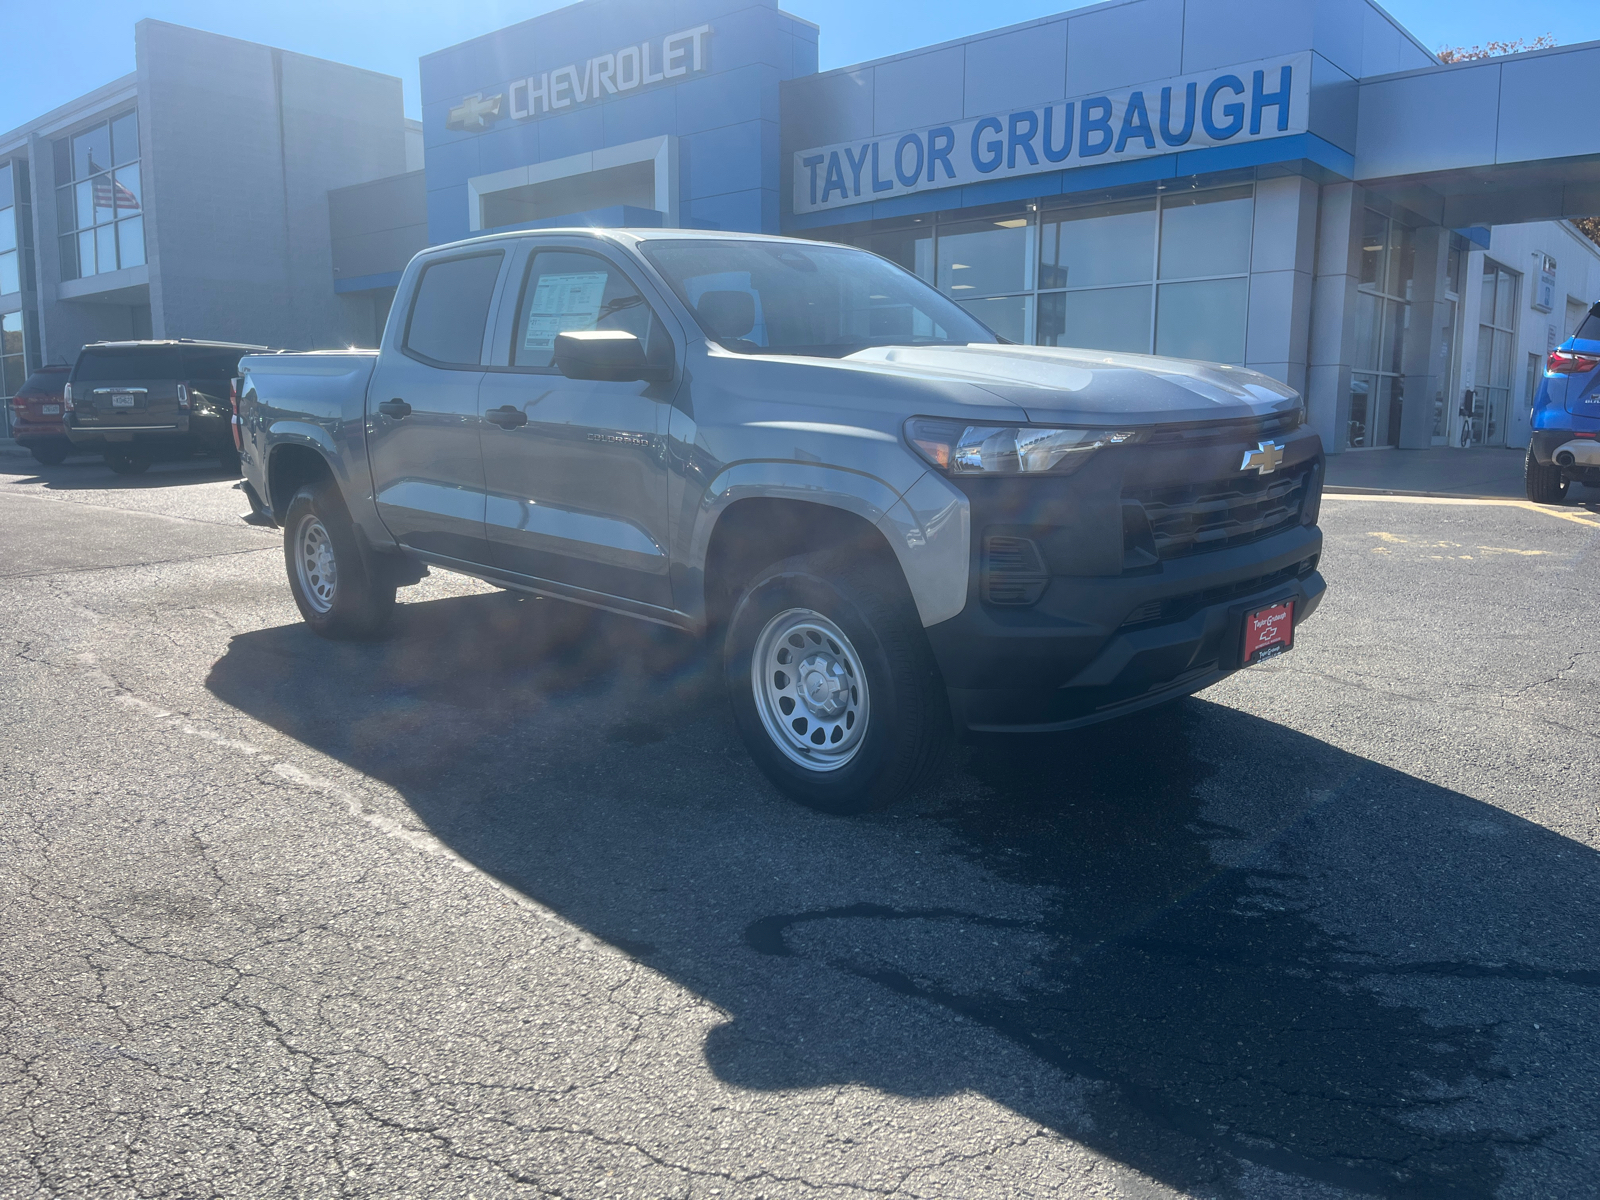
[1268, 632]
[122, 399]
[50, 410]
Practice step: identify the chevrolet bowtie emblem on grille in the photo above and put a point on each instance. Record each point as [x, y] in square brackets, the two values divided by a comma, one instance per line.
[474, 113]
[1264, 459]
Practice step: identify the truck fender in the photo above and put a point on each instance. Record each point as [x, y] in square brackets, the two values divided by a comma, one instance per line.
[928, 527]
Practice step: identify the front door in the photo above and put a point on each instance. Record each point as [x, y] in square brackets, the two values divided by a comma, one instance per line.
[575, 470]
[422, 412]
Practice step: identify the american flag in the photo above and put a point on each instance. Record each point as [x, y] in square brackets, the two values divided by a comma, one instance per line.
[110, 194]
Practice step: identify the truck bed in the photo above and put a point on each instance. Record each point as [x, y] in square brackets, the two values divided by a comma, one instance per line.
[318, 384]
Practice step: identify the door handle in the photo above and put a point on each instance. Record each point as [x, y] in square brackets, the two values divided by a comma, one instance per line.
[395, 408]
[506, 416]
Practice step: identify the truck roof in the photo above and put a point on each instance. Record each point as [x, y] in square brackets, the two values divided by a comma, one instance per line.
[123, 345]
[636, 235]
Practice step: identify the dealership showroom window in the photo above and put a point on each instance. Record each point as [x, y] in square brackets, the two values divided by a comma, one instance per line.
[1164, 274]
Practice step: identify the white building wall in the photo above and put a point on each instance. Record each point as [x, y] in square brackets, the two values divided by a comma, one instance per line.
[1577, 280]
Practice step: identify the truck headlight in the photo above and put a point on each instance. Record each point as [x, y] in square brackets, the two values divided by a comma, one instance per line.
[963, 449]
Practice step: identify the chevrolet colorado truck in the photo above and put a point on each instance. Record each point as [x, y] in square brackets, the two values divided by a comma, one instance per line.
[895, 525]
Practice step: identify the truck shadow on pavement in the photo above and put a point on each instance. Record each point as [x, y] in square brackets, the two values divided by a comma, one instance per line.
[1200, 943]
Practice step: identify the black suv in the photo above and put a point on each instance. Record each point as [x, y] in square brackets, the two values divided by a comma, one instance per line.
[135, 402]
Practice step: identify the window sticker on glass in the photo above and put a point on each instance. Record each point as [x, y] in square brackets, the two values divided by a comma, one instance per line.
[562, 303]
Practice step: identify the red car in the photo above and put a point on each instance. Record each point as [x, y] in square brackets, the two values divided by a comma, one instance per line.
[36, 415]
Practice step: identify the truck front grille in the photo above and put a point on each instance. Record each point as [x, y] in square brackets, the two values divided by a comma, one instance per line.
[1195, 518]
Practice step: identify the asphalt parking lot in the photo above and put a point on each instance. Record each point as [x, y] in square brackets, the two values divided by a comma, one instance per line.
[499, 907]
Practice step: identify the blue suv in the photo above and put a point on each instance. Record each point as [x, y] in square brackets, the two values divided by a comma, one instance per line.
[1566, 417]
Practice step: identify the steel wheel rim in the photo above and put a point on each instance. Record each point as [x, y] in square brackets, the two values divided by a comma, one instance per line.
[315, 564]
[810, 690]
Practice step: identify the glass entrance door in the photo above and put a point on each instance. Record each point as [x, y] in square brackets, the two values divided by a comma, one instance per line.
[1485, 423]
[1383, 317]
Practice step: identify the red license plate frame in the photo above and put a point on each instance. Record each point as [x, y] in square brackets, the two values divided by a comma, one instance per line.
[1268, 632]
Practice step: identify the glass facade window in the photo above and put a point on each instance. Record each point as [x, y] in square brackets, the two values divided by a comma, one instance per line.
[100, 198]
[1164, 275]
[912, 248]
[1383, 317]
[12, 370]
[10, 259]
[986, 266]
[1098, 319]
[1153, 274]
[1104, 253]
[1485, 423]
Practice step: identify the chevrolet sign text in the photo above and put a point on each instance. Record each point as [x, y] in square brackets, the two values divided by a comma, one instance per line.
[623, 70]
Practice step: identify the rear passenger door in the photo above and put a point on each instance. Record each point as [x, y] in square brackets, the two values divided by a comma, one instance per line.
[576, 469]
[422, 410]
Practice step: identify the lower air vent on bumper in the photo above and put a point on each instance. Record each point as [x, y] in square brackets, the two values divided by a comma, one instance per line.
[1013, 571]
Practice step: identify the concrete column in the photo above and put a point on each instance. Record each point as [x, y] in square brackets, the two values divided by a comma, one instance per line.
[1471, 298]
[1333, 306]
[1282, 258]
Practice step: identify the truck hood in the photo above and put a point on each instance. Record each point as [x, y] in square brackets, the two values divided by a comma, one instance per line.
[1093, 386]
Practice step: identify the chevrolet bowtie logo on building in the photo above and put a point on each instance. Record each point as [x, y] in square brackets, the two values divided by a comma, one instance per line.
[1266, 458]
[474, 113]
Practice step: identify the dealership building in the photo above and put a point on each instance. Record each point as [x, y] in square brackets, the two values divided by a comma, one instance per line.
[1297, 186]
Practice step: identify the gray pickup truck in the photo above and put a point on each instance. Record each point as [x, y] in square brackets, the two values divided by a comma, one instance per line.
[895, 525]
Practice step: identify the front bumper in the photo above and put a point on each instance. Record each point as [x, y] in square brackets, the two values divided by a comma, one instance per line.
[1038, 670]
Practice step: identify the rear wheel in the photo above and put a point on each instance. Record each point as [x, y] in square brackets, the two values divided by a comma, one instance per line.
[126, 464]
[1546, 483]
[329, 579]
[50, 456]
[834, 687]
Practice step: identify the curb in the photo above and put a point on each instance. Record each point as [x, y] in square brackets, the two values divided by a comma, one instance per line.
[1330, 489]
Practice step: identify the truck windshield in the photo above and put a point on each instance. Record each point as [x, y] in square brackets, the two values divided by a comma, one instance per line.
[755, 297]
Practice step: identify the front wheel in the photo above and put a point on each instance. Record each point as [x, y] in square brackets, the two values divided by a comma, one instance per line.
[329, 579]
[1546, 483]
[127, 464]
[833, 684]
[50, 456]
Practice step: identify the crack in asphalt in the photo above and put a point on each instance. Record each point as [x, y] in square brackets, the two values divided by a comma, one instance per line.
[314, 1065]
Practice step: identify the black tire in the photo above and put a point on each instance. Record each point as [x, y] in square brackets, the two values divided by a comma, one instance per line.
[351, 604]
[228, 460]
[126, 464]
[1546, 483]
[905, 728]
[50, 456]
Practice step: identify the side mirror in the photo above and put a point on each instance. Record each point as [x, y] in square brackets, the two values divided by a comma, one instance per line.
[608, 355]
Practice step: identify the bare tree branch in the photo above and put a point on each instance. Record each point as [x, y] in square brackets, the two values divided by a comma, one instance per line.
[1450, 54]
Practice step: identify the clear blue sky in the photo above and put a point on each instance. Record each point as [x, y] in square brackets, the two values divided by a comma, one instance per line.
[55, 50]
